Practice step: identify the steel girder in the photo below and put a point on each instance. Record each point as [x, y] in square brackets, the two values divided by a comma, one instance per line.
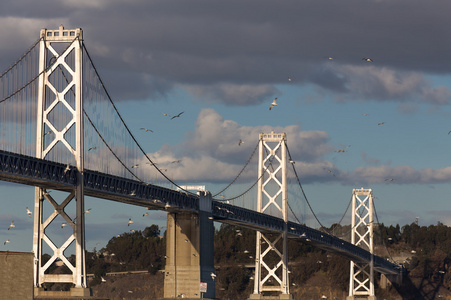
[37, 172]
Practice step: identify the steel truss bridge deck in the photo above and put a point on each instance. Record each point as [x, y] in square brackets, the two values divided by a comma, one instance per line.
[50, 175]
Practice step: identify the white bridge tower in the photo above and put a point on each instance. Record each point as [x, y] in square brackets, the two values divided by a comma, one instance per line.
[361, 281]
[60, 138]
[272, 199]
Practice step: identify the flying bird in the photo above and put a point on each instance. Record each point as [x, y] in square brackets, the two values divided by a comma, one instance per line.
[365, 115]
[29, 212]
[213, 275]
[92, 148]
[330, 171]
[130, 222]
[6, 242]
[11, 225]
[176, 161]
[389, 179]
[64, 224]
[240, 142]
[274, 103]
[67, 169]
[381, 123]
[177, 116]
[88, 211]
[166, 115]
[146, 129]
[343, 149]
[135, 166]
[103, 279]
[145, 214]
[367, 59]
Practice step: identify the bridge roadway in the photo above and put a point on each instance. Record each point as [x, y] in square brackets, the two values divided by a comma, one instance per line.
[51, 175]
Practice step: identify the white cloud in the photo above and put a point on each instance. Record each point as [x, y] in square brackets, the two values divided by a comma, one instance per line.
[212, 153]
[233, 94]
[400, 175]
[386, 84]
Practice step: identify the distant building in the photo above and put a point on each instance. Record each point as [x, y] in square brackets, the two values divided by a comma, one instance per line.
[16, 275]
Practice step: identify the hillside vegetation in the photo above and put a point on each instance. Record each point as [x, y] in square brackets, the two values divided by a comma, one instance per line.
[425, 251]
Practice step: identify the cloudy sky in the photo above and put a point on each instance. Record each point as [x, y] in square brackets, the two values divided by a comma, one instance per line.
[223, 62]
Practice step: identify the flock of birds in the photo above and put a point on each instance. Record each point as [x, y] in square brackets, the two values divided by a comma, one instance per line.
[240, 142]
[30, 213]
[166, 115]
[274, 103]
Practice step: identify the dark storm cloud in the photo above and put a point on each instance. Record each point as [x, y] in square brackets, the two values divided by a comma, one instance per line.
[157, 45]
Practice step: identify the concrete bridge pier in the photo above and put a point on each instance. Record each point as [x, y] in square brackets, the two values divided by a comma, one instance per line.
[189, 271]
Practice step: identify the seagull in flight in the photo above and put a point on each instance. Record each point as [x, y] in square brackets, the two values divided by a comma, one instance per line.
[146, 129]
[145, 214]
[6, 242]
[176, 161]
[381, 123]
[343, 149]
[240, 142]
[67, 169]
[330, 171]
[29, 212]
[177, 116]
[135, 166]
[11, 225]
[213, 275]
[274, 103]
[63, 224]
[130, 222]
[92, 148]
[367, 59]
[88, 211]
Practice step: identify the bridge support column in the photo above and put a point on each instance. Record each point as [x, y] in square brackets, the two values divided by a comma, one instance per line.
[361, 280]
[271, 274]
[189, 253]
[59, 137]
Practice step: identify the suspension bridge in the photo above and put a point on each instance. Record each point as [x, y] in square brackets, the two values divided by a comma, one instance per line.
[60, 130]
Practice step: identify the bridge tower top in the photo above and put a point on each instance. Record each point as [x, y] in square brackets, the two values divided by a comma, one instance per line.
[61, 34]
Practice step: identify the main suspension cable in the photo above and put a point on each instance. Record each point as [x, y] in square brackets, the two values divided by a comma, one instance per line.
[126, 127]
[248, 161]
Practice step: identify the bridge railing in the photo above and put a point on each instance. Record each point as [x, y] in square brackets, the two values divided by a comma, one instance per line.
[47, 174]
